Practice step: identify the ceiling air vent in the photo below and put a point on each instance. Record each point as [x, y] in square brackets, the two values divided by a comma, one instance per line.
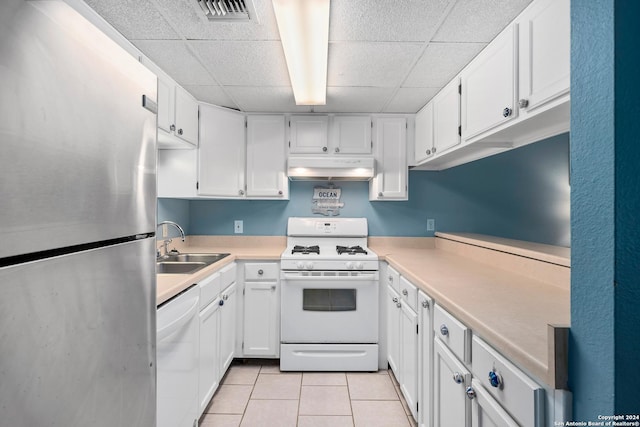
[226, 10]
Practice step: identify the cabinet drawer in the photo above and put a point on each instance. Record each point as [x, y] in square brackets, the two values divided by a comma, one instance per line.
[228, 275]
[261, 271]
[409, 293]
[393, 279]
[454, 334]
[512, 389]
[210, 287]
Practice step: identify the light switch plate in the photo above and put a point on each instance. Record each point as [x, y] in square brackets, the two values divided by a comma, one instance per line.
[431, 224]
[238, 226]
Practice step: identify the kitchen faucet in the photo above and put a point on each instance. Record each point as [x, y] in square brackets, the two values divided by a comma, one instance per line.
[166, 241]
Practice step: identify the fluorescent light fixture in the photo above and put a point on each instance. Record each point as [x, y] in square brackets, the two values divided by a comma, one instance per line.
[304, 32]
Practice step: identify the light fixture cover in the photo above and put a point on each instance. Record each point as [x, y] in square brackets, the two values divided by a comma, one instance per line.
[304, 32]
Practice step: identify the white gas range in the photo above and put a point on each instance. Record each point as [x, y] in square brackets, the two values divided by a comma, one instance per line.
[329, 281]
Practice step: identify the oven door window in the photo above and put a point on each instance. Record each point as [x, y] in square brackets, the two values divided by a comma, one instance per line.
[329, 300]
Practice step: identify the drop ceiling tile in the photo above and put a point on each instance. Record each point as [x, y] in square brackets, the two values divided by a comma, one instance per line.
[244, 63]
[370, 64]
[410, 100]
[478, 20]
[440, 63]
[188, 18]
[176, 60]
[212, 95]
[266, 99]
[135, 19]
[355, 100]
[372, 20]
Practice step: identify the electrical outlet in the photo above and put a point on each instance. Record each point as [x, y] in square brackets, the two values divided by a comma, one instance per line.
[431, 224]
[238, 226]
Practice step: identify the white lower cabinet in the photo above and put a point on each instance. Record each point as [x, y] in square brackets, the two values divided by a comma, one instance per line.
[425, 359]
[393, 330]
[261, 326]
[209, 377]
[485, 410]
[227, 327]
[451, 407]
[409, 357]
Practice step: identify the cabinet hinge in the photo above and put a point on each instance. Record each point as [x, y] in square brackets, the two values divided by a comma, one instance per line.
[289, 123]
[243, 294]
[243, 346]
[197, 185]
[460, 89]
[417, 406]
[246, 124]
[417, 326]
[459, 130]
[289, 144]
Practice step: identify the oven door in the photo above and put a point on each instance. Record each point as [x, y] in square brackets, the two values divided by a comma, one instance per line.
[329, 307]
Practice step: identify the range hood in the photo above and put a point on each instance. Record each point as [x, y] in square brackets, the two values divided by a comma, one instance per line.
[325, 168]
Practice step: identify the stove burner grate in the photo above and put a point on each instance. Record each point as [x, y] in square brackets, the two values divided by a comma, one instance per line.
[351, 250]
[305, 250]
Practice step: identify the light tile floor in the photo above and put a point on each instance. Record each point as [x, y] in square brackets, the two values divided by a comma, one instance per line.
[257, 394]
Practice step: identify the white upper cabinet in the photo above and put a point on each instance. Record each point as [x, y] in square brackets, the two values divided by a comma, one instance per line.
[166, 104]
[308, 134]
[221, 168]
[423, 148]
[545, 49]
[186, 116]
[177, 173]
[488, 86]
[351, 134]
[446, 118]
[266, 157]
[390, 180]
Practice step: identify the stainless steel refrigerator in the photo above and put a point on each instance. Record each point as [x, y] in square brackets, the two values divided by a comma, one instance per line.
[77, 224]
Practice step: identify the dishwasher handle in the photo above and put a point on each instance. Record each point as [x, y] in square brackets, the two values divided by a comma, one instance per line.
[179, 322]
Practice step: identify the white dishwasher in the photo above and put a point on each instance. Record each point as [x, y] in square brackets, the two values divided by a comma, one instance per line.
[177, 352]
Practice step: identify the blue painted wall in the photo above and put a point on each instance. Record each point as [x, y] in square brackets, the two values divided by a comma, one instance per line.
[605, 201]
[521, 194]
[174, 210]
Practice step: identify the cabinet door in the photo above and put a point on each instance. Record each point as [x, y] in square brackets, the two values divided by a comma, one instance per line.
[166, 104]
[451, 407]
[393, 330]
[186, 119]
[227, 328]
[409, 357]
[425, 359]
[545, 45]
[177, 173]
[209, 353]
[390, 182]
[488, 86]
[221, 152]
[261, 319]
[485, 411]
[446, 117]
[266, 163]
[351, 134]
[308, 134]
[423, 148]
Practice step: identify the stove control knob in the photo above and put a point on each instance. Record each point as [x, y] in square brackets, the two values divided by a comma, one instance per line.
[300, 265]
[359, 265]
[349, 265]
[309, 265]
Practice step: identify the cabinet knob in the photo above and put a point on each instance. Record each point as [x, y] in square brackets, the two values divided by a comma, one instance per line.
[273, 287]
[324, 149]
[380, 194]
[225, 297]
[172, 128]
[471, 393]
[398, 305]
[434, 150]
[337, 150]
[523, 103]
[495, 379]
[428, 152]
[506, 112]
[395, 299]
[444, 330]
[179, 131]
[405, 292]
[458, 378]
[390, 278]
[241, 192]
[425, 304]
[260, 272]
[221, 302]
[279, 192]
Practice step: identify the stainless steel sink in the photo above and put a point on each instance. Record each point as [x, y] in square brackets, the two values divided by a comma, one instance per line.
[168, 267]
[192, 257]
[186, 263]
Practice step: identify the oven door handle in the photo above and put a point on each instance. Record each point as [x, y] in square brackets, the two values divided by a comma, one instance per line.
[298, 277]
